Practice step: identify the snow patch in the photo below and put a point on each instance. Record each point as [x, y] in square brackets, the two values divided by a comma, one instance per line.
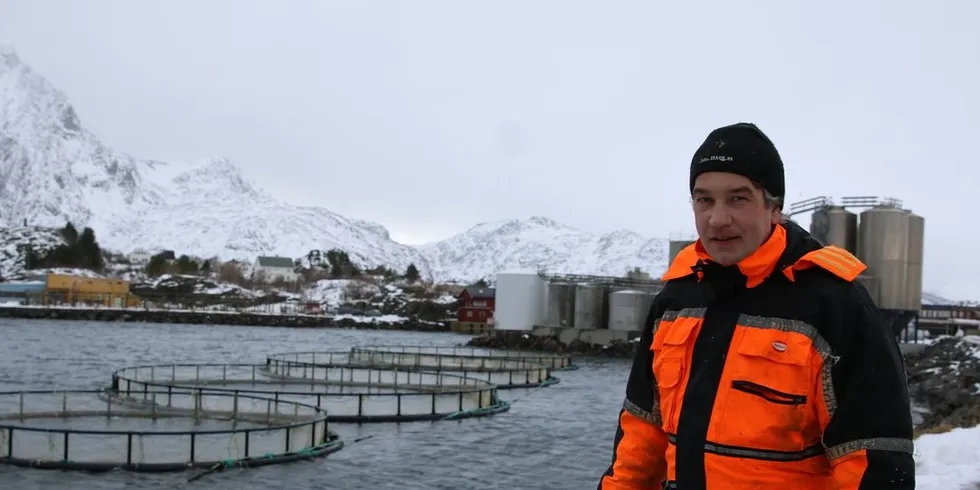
[372, 319]
[948, 461]
[445, 299]
[333, 292]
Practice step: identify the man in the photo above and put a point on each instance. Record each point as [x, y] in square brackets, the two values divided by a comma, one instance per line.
[763, 363]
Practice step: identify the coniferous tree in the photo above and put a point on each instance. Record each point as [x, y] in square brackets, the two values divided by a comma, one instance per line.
[412, 273]
[87, 252]
[157, 266]
[186, 265]
[70, 234]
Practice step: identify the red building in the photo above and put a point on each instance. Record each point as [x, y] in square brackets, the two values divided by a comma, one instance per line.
[478, 305]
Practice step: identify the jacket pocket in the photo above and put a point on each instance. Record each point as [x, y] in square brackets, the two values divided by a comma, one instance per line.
[671, 347]
[767, 393]
[767, 388]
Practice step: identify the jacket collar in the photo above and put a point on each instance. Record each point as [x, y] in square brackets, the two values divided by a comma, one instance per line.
[756, 267]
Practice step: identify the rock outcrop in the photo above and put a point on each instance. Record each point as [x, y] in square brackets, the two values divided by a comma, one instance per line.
[509, 339]
[945, 378]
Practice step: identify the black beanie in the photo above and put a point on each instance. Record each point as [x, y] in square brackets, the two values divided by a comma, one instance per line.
[741, 149]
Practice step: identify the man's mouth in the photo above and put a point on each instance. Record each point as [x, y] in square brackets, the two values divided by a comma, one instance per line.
[724, 239]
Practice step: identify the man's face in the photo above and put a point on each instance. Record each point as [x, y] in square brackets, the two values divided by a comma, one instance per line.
[731, 216]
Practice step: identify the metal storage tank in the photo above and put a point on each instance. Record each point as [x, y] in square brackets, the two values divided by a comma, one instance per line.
[834, 225]
[883, 245]
[561, 304]
[590, 302]
[917, 231]
[628, 309]
[520, 300]
[676, 246]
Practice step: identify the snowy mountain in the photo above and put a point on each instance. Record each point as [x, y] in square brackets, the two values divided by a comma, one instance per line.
[52, 170]
[12, 241]
[542, 243]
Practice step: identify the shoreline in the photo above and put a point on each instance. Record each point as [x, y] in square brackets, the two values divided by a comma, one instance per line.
[526, 341]
[211, 318]
[943, 377]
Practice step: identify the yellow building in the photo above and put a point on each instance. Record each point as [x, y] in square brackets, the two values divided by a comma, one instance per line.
[63, 288]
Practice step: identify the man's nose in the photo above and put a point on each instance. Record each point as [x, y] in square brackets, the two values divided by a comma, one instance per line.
[719, 216]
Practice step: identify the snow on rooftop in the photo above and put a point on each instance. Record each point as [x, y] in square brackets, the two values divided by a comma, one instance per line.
[518, 271]
[948, 461]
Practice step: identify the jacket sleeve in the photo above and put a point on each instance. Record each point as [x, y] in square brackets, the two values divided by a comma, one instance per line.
[640, 444]
[867, 421]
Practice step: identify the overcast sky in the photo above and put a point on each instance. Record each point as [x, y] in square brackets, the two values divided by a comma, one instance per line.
[430, 117]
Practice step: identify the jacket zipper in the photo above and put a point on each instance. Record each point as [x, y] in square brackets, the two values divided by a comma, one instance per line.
[768, 393]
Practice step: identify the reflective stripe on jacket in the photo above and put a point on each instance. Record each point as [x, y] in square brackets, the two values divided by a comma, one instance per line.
[779, 372]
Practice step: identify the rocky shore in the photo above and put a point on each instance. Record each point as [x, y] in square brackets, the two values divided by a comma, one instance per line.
[515, 340]
[945, 378]
[206, 318]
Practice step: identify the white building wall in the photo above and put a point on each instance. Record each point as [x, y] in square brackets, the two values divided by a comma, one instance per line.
[273, 273]
[520, 300]
[140, 256]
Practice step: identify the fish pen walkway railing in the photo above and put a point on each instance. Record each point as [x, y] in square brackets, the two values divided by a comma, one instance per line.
[347, 393]
[502, 372]
[157, 431]
[553, 361]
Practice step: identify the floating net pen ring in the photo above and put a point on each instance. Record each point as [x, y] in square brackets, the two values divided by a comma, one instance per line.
[101, 430]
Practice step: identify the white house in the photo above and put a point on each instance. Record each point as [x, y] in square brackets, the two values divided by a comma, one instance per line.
[273, 268]
[140, 256]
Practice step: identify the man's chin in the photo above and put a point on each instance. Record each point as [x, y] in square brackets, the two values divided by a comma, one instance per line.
[724, 257]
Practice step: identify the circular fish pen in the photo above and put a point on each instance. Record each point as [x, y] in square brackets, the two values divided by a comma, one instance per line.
[504, 372]
[346, 392]
[557, 362]
[172, 430]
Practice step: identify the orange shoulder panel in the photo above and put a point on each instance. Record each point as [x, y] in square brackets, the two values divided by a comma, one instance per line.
[833, 259]
[681, 266]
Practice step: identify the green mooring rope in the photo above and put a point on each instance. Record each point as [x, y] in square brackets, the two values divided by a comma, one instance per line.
[501, 405]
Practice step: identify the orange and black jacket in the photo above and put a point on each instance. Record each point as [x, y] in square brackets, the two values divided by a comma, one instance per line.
[777, 372]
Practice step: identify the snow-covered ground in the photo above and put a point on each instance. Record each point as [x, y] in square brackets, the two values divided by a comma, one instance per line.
[357, 300]
[371, 319]
[948, 461]
[332, 292]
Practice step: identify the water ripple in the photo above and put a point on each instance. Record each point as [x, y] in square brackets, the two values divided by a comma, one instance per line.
[556, 437]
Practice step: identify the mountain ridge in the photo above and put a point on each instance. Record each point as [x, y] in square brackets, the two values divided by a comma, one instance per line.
[53, 170]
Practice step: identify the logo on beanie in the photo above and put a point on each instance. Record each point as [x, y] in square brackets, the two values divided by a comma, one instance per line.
[716, 158]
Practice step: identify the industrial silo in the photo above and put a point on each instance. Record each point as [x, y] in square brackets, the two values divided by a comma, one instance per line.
[628, 310]
[834, 225]
[561, 304]
[883, 245]
[520, 299]
[675, 247]
[590, 303]
[913, 281]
